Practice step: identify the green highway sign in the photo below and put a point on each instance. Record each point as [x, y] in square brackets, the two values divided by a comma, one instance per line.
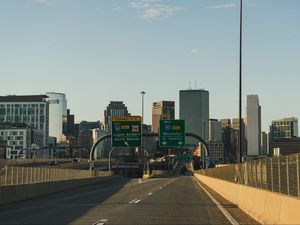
[184, 158]
[126, 131]
[171, 133]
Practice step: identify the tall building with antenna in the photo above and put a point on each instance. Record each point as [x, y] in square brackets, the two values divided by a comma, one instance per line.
[194, 109]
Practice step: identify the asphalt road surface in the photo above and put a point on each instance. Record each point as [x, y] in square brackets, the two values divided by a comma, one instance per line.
[174, 200]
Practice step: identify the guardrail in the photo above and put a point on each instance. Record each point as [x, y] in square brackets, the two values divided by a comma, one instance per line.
[14, 175]
[277, 174]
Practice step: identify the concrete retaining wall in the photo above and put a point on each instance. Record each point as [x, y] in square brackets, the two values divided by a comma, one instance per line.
[264, 206]
[15, 193]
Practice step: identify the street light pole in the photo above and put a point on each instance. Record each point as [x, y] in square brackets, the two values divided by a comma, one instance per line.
[142, 129]
[239, 153]
[142, 93]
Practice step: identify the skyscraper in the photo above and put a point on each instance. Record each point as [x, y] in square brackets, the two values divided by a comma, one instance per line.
[236, 133]
[57, 112]
[215, 130]
[253, 125]
[264, 143]
[215, 142]
[114, 109]
[194, 109]
[164, 110]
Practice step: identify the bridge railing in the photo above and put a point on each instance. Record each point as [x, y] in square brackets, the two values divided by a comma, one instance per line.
[14, 175]
[277, 174]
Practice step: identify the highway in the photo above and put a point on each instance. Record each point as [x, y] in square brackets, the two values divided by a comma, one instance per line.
[173, 200]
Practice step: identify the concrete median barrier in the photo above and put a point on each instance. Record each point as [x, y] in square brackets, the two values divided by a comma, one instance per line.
[15, 193]
[264, 206]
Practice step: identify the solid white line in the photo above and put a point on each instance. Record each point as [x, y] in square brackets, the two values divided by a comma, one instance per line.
[224, 211]
[132, 201]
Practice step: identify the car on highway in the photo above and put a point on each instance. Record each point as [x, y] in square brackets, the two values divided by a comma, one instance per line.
[76, 160]
[52, 163]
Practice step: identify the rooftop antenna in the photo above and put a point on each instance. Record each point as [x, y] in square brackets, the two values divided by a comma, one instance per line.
[195, 84]
[190, 85]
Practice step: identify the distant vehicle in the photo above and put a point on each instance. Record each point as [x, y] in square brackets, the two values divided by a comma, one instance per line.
[52, 163]
[76, 160]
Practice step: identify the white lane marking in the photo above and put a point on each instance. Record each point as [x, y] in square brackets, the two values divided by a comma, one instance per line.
[224, 211]
[160, 187]
[146, 181]
[135, 201]
[132, 201]
[101, 222]
[150, 193]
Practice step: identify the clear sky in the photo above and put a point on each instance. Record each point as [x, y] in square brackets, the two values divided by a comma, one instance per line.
[101, 50]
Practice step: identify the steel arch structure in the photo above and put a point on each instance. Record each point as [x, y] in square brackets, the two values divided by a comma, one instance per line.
[93, 149]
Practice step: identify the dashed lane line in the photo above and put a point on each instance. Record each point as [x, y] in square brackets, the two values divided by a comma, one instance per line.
[132, 201]
[101, 222]
[135, 201]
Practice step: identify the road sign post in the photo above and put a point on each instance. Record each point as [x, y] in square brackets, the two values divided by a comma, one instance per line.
[126, 131]
[171, 133]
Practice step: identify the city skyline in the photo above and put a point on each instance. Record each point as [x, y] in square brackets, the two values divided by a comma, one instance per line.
[112, 50]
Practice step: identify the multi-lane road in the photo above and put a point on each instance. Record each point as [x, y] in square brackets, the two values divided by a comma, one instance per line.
[174, 200]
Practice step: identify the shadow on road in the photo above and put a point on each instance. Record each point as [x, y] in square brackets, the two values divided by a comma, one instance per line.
[61, 208]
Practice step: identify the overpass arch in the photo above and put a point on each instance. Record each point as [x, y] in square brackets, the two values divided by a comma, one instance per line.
[200, 139]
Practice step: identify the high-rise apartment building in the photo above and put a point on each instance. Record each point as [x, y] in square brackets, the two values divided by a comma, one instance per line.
[57, 112]
[194, 109]
[114, 109]
[253, 125]
[17, 137]
[284, 128]
[164, 110]
[29, 109]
